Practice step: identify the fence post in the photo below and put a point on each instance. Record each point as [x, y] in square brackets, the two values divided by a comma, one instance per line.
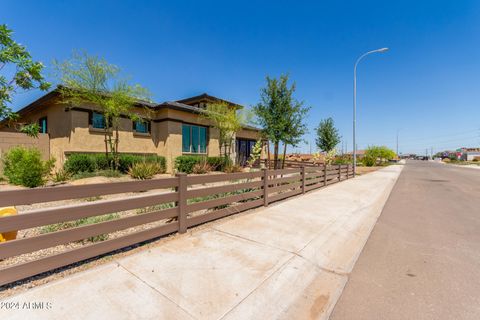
[348, 170]
[182, 202]
[303, 179]
[339, 172]
[265, 187]
[325, 174]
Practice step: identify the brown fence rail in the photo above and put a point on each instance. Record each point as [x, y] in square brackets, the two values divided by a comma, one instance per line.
[287, 163]
[176, 203]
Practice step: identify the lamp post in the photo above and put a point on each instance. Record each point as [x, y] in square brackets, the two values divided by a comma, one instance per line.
[355, 104]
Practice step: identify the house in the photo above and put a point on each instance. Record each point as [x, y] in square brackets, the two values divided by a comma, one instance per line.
[360, 154]
[169, 129]
[469, 154]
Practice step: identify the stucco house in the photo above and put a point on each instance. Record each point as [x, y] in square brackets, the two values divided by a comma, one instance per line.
[169, 129]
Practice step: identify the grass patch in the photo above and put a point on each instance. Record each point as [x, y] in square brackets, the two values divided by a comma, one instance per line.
[99, 173]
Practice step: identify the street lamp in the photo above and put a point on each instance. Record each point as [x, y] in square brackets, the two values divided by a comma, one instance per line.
[355, 104]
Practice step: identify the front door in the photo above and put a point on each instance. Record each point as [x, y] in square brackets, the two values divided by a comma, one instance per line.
[244, 148]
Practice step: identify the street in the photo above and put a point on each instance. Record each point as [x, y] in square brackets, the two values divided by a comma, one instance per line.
[422, 260]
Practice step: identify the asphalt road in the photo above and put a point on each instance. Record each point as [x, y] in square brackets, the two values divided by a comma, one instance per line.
[422, 260]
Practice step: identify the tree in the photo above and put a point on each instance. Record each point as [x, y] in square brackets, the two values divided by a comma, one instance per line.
[228, 120]
[256, 152]
[19, 72]
[280, 115]
[377, 155]
[327, 135]
[90, 79]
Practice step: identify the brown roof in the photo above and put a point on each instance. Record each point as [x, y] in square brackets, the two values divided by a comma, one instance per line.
[206, 97]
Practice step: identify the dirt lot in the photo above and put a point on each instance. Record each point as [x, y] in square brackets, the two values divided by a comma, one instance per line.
[365, 170]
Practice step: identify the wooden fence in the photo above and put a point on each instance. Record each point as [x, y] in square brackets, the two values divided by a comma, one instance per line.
[288, 163]
[193, 200]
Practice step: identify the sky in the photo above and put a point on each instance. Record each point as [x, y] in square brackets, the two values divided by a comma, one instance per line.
[425, 88]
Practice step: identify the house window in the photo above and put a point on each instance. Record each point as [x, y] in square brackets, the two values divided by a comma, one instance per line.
[97, 120]
[141, 126]
[194, 139]
[42, 123]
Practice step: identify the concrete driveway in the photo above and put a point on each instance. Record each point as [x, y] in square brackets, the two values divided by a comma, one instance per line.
[422, 260]
[288, 261]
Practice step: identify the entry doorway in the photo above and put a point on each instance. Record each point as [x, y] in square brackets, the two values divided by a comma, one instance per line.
[243, 149]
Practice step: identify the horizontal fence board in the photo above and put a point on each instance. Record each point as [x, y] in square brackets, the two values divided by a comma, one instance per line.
[283, 171]
[25, 245]
[332, 182]
[332, 174]
[222, 201]
[29, 196]
[284, 195]
[217, 214]
[223, 177]
[221, 189]
[284, 187]
[27, 269]
[285, 179]
[314, 186]
[73, 212]
[314, 174]
[314, 181]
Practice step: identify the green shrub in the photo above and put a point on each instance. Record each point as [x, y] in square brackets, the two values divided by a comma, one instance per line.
[25, 167]
[61, 176]
[377, 155]
[80, 162]
[202, 167]
[219, 163]
[233, 169]
[342, 159]
[126, 161]
[186, 163]
[144, 170]
[101, 161]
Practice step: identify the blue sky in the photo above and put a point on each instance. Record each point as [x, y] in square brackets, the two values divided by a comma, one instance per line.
[426, 86]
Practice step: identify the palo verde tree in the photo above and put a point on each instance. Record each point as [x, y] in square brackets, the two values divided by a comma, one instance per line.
[375, 155]
[280, 115]
[327, 135]
[228, 121]
[18, 72]
[92, 80]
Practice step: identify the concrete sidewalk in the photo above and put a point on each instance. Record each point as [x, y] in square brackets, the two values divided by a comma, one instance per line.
[288, 261]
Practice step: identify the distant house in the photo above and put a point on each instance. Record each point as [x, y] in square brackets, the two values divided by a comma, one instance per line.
[469, 154]
[360, 153]
[169, 129]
